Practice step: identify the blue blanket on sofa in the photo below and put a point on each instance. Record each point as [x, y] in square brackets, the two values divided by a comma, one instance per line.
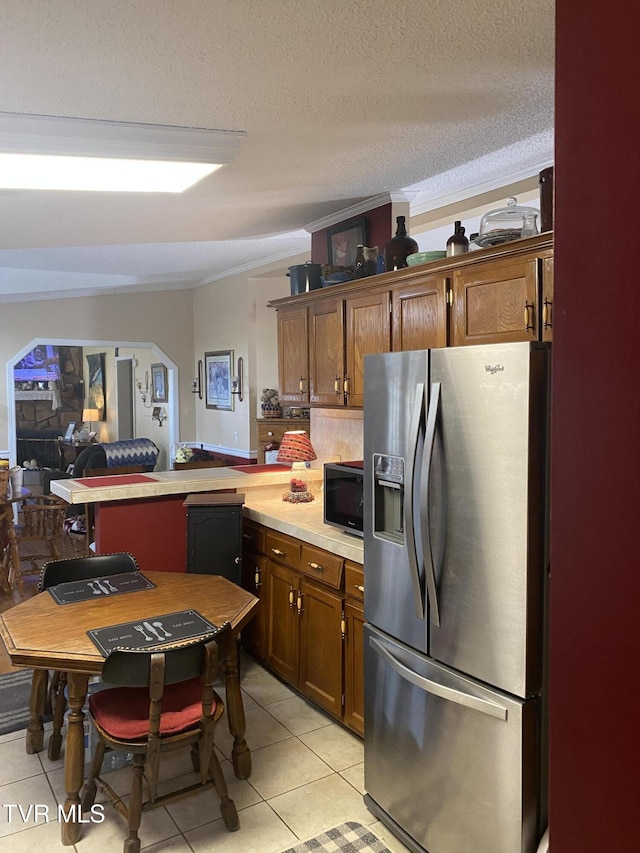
[131, 451]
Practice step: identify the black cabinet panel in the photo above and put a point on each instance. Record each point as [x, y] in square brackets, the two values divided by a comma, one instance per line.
[214, 536]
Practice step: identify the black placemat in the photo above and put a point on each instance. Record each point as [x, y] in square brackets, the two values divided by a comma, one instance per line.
[68, 593]
[163, 630]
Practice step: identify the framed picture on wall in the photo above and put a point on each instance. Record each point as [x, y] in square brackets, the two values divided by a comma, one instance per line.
[95, 392]
[217, 379]
[159, 389]
[343, 241]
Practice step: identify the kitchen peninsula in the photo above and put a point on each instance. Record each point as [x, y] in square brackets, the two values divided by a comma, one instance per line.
[144, 513]
[308, 575]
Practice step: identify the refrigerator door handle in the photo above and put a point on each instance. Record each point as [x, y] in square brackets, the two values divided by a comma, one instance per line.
[425, 528]
[409, 513]
[474, 703]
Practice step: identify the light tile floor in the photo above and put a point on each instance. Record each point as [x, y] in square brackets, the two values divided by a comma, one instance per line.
[307, 776]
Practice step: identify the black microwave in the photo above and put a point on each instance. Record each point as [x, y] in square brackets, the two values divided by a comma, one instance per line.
[343, 496]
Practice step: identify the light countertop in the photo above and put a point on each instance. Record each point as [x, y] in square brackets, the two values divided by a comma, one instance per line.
[303, 521]
[263, 500]
[162, 483]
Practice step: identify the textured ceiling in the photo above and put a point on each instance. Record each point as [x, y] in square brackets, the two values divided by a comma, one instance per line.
[340, 101]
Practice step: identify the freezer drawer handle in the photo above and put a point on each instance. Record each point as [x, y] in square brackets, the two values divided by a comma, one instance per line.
[492, 709]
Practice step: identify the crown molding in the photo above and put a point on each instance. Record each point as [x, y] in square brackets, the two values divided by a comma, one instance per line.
[360, 208]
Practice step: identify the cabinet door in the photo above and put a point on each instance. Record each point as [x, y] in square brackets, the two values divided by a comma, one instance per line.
[496, 301]
[283, 623]
[354, 667]
[214, 541]
[547, 299]
[368, 330]
[326, 352]
[293, 361]
[320, 614]
[419, 314]
[254, 579]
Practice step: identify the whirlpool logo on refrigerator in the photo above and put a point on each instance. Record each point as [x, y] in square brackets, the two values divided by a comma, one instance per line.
[494, 368]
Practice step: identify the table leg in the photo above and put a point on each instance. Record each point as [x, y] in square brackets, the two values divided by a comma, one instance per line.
[240, 754]
[70, 827]
[35, 730]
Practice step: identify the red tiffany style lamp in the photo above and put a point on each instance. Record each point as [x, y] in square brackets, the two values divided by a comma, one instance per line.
[296, 448]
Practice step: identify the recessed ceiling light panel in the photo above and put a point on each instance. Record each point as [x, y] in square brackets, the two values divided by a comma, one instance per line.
[50, 152]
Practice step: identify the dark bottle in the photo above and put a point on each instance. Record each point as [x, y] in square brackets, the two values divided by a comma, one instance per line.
[360, 264]
[398, 248]
[457, 244]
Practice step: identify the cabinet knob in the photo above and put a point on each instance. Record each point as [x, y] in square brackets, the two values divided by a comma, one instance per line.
[269, 433]
[546, 314]
[359, 587]
[299, 603]
[256, 579]
[237, 561]
[316, 567]
[343, 625]
[278, 553]
[292, 597]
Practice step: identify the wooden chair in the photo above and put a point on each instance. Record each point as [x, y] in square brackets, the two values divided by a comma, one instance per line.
[63, 571]
[6, 525]
[41, 520]
[163, 700]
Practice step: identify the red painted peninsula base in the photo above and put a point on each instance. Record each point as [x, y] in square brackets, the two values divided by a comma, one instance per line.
[154, 530]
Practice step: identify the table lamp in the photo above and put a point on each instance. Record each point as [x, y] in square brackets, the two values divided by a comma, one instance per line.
[89, 415]
[296, 448]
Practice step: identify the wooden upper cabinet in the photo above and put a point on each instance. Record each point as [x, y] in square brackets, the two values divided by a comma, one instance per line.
[547, 299]
[419, 314]
[293, 355]
[496, 301]
[368, 330]
[326, 352]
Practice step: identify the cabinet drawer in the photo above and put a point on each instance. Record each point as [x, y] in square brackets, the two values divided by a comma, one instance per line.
[321, 565]
[253, 537]
[354, 580]
[283, 548]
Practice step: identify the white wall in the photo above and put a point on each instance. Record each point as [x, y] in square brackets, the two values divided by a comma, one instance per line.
[233, 314]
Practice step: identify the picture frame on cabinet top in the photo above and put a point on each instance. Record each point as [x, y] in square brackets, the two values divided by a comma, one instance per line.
[343, 241]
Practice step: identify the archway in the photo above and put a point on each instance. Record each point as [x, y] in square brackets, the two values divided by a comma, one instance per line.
[142, 353]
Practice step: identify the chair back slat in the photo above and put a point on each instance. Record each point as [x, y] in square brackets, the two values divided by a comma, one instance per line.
[85, 568]
[132, 667]
[4, 483]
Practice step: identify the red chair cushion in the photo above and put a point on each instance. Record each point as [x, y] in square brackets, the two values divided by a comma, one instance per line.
[123, 712]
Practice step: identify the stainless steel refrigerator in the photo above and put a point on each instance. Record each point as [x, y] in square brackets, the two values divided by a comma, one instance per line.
[455, 551]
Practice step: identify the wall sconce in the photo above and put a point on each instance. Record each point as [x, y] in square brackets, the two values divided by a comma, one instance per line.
[196, 385]
[236, 381]
[143, 389]
[159, 415]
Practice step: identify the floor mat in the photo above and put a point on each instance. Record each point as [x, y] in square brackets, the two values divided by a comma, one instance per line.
[346, 838]
[15, 689]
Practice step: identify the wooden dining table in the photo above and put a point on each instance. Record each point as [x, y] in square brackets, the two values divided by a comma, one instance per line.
[41, 634]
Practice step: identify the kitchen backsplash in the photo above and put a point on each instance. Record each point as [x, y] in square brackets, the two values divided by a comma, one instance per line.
[337, 434]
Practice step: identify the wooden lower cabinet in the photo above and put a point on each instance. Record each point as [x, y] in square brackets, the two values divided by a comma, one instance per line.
[320, 673]
[354, 647]
[283, 623]
[304, 631]
[354, 667]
